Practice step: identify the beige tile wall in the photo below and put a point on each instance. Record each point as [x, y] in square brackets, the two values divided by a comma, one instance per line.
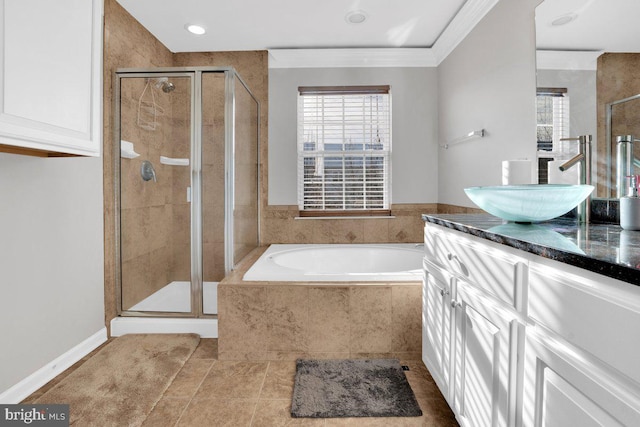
[128, 44]
[281, 226]
[616, 78]
[284, 321]
[155, 216]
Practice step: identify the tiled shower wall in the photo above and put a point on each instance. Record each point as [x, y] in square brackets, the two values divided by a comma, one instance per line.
[154, 215]
[126, 44]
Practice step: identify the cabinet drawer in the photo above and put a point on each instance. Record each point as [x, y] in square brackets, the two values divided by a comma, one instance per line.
[599, 315]
[492, 267]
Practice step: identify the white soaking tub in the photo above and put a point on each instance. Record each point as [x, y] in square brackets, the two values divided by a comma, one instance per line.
[389, 262]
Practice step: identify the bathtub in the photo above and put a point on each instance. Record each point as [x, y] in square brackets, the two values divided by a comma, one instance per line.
[339, 263]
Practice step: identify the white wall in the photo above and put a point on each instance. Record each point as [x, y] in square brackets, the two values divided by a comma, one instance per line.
[414, 127]
[51, 260]
[488, 82]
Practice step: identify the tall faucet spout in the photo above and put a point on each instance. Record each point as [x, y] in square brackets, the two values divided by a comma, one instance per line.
[571, 162]
[584, 158]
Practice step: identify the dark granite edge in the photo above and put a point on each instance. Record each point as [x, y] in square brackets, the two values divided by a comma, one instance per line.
[613, 270]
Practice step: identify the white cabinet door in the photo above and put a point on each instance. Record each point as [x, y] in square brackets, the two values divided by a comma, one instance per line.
[436, 327]
[564, 388]
[50, 75]
[485, 362]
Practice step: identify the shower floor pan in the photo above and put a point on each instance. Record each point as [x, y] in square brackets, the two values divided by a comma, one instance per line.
[176, 297]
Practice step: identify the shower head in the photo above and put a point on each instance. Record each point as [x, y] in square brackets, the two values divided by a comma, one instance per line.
[164, 84]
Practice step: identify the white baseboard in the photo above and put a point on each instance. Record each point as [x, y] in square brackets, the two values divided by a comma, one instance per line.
[206, 328]
[33, 382]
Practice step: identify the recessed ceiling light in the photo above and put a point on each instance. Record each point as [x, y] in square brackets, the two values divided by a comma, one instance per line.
[195, 29]
[564, 19]
[356, 17]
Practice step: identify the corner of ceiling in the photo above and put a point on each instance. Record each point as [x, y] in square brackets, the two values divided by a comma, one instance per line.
[460, 26]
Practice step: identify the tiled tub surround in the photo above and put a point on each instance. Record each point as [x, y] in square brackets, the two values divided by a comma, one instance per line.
[288, 320]
[602, 248]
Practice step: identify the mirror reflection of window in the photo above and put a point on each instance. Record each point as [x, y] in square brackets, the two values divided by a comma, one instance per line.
[552, 107]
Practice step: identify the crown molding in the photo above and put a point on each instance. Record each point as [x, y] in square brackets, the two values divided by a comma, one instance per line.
[460, 27]
[567, 60]
[337, 58]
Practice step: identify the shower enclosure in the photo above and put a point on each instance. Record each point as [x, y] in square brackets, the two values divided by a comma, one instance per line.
[186, 142]
[622, 130]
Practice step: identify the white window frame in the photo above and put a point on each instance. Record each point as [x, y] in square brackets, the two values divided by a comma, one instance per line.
[330, 118]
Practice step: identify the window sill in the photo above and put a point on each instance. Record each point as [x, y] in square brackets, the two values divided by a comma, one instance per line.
[364, 214]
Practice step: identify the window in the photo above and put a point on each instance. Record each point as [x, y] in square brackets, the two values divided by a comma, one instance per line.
[344, 150]
[552, 125]
[553, 118]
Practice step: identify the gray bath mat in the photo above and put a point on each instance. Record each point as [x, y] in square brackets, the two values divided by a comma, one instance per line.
[352, 388]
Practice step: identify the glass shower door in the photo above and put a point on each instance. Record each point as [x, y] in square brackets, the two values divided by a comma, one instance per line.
[156, 115]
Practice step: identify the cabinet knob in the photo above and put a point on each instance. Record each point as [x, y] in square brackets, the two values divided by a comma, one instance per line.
[455, 304]
[443, 292]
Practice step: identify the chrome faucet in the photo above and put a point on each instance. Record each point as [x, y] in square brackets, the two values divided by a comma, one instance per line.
[625, 162]
[584, 158]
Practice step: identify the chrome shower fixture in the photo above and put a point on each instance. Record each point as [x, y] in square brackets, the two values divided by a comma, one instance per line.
[164, 84]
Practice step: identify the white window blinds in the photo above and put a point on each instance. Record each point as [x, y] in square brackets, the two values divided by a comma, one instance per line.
[344, 148]
[553, 120]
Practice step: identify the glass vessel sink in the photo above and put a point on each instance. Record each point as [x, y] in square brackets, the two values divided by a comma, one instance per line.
[528, 203]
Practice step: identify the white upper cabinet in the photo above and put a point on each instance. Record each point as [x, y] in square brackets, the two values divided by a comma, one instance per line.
[50, 76]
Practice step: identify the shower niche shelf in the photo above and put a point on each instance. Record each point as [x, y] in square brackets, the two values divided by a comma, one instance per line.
[50, 87]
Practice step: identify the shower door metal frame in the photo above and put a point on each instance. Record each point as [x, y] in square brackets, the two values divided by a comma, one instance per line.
[195, 74]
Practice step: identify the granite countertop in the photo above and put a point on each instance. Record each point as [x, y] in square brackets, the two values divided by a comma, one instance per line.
[602, 248]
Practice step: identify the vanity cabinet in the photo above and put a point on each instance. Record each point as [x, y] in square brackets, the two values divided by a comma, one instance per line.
[515, 339]
[581, 349]
[470, 325]
[437, 321]
[50, 77]
[485, 359]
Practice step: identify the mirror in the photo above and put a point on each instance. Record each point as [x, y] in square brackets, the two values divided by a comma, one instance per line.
[591, 49]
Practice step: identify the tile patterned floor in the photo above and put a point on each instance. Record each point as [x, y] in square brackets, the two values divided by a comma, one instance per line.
[210, 392]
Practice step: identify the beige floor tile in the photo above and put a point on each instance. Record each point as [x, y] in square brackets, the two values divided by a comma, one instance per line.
[436, 412]
[189, 378]
[422, 386]
[218, 413]
[166, 412]
[233, 380]
[207, 349]
[275, 413]
[278, 383]
[375, 422]
[243, 393]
